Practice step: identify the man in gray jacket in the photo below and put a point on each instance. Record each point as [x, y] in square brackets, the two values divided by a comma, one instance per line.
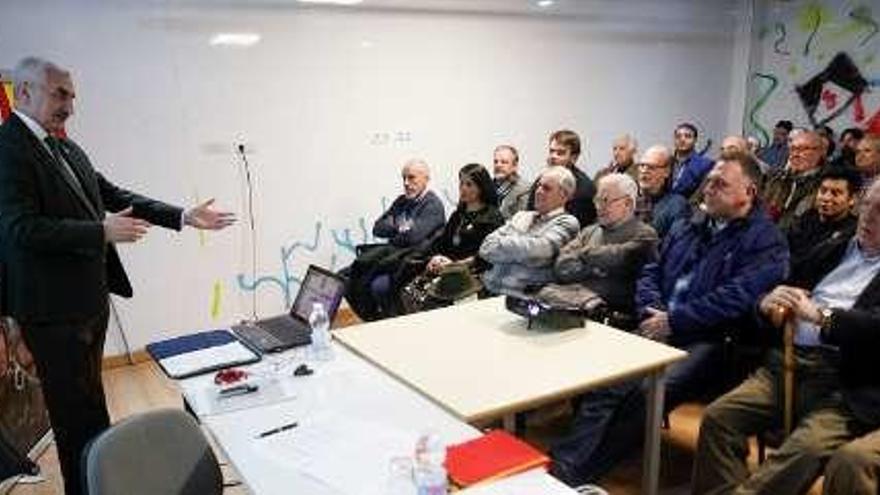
[523, 250]
[605, 259]
[512, 189]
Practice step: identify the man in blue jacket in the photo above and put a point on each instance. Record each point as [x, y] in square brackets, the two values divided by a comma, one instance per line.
[711, 271]
[689, 168]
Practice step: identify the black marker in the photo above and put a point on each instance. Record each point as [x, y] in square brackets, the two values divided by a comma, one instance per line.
[281, 428]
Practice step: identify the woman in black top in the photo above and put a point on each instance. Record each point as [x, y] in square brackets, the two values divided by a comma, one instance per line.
[475, 217]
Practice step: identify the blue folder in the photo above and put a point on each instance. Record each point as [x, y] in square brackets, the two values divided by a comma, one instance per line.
[193, 343]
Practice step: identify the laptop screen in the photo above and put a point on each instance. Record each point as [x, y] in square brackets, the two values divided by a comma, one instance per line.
[319, 286]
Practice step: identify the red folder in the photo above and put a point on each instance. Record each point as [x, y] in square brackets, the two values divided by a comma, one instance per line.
[494, 455]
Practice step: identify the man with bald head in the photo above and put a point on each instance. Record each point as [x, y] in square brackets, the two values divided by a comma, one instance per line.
[623, 155]
[411, 222]
[60, 221]
[789, 193]
[657, 205]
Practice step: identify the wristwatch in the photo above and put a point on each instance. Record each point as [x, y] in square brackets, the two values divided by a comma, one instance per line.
[827, 318]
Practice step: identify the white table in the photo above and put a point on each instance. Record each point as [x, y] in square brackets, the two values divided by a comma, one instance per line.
[353, 419]
[479, 361]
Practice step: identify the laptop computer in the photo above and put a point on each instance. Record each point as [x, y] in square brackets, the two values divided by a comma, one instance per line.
[292, 329]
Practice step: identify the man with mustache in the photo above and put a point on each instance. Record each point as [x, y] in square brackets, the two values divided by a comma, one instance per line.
[60, 221]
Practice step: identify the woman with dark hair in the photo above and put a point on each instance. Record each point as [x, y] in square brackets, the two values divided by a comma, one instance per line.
[476, 216]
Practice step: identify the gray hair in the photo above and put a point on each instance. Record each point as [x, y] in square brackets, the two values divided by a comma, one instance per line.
[623, 182]
[630, 141]
[663, 150]
[419, 164]
[563, 177]
[32, 70]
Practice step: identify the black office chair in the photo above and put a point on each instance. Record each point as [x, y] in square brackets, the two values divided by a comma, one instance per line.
[161, 451]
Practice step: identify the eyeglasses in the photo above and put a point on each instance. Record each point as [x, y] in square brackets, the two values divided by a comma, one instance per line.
[651, 166]
[801, 149]
[601, 202]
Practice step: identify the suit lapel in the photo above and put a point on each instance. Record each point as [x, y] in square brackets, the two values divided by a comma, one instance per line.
[47, 160]
[86, 179]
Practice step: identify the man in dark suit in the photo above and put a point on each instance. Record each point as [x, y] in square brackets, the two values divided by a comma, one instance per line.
[57, 245]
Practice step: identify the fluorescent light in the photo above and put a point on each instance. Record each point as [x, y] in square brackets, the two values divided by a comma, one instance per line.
[235, 39]
[545, 3]
[335, 2]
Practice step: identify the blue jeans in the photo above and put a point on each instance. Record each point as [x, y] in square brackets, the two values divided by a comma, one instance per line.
[610, 422]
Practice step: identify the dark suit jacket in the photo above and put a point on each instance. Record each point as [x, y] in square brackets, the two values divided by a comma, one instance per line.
[56, 263]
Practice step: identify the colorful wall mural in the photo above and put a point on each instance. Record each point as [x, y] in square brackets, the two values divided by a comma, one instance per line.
[815, 63]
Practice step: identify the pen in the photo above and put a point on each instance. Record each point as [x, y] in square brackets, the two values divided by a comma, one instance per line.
[238, 390]
[279, 429]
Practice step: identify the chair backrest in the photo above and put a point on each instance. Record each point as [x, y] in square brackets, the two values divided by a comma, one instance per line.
[161, 451]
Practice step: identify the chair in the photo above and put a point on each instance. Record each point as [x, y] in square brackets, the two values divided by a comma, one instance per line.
[161, 451]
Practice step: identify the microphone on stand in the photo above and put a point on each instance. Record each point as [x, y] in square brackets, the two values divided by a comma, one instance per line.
[252, 224]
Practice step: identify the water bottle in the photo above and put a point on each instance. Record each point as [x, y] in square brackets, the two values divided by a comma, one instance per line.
[320, 323]
[430, 473]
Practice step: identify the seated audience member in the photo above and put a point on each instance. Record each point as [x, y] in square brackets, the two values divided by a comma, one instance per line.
[475, 217]
[512, 190]
[831, 219]
[739, 144]
[523, 250]
[837, 388]
[789, 192]
[605, 259]
[826, 134]
[564, 150]
[711, 271]
[623, 158]
[411, 221]
[657, 205]
[776, 153]
[846, 152]
[689, 168]
[868, 158]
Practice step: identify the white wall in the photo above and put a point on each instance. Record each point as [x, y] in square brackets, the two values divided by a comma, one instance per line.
[332, 101]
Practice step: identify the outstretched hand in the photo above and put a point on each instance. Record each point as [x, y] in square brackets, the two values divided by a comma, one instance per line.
[204, 217]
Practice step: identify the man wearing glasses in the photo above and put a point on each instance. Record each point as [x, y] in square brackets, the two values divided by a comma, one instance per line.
[60, 221]
[789, 192]
[657, 205]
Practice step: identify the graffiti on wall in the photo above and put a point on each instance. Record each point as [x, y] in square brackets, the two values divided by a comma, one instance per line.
[294, 257]
[818, 66]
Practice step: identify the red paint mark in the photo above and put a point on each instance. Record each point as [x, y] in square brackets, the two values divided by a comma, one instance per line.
[858, 109]
[873, 125]
[829, 99]
[5, 107]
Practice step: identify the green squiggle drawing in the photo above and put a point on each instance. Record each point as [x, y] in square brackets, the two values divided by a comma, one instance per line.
[774, 83]
[811, 18]
[862, 16]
